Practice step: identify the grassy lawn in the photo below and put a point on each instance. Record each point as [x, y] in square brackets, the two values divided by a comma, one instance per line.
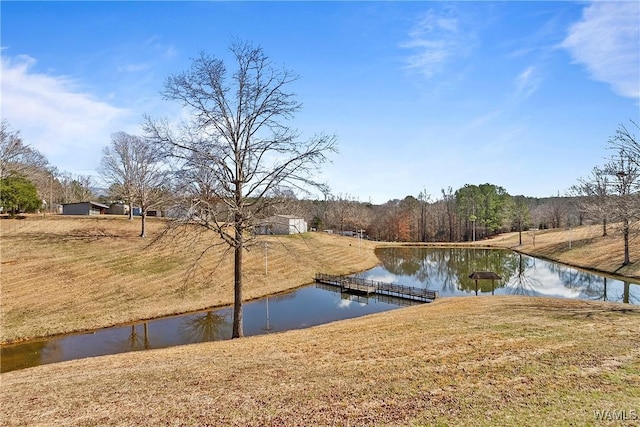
[64, 274]
[581, 247]
[473, 361]
[459, 361]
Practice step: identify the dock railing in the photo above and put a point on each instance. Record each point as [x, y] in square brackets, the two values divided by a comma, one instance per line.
[361, 285]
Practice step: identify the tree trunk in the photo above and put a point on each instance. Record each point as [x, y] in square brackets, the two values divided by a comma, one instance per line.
[237, 282]
[625, 294]
[625, 231]
[130, 209]
[143, 231]
[604, 227]
[450, 217]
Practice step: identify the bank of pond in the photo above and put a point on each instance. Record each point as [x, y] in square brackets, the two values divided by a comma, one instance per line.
[445, 270]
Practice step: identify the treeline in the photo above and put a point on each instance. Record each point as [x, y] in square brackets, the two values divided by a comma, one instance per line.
[484, 210]
[473, 212]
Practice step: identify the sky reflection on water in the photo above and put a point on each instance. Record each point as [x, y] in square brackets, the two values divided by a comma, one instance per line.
[447, 271]
[444, 270]
[305, 307]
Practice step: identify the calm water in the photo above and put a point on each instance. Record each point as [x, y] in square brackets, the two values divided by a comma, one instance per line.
[443, 270]
[302, 308]
[447, 271]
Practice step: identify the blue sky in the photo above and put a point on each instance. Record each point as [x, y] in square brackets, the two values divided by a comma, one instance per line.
[421, 95]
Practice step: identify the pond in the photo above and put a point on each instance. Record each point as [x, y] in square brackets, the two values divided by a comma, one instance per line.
[444, 270]
[302, 308]
[447, 271]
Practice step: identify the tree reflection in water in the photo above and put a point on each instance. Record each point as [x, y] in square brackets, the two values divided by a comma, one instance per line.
[135, 340]
[627, 296]
[591, 286]
[523, 282]
[447, 270]
[209, 326]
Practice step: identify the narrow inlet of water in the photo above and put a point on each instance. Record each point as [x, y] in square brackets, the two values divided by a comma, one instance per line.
[302, 308]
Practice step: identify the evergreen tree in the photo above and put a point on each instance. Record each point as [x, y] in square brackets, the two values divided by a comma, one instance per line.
[18, 194]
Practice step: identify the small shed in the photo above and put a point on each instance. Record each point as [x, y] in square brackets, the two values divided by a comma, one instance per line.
[84, 208]
[282, 224]
[118, 209]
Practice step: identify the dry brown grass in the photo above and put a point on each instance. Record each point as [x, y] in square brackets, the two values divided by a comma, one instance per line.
[62, 274]
[508, 361]
[460, 361]
[589, 249]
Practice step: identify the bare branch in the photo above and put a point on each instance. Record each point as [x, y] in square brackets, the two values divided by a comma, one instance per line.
[237, 148]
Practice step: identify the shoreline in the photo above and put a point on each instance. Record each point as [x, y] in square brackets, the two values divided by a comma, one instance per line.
[77, 240]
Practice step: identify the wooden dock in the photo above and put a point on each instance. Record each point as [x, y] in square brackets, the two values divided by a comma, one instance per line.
[357, 285]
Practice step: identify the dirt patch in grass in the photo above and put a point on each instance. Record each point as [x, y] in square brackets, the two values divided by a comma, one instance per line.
[460, 361]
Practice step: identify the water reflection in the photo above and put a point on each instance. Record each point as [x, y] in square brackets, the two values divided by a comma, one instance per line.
[293, 310]
[209, 326]
[444, 270]
[137, 341]
[447, 271]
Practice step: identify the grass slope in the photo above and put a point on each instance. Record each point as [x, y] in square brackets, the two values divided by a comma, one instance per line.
[64, 274]
[461, 361]
[458, 361]
[582, 246]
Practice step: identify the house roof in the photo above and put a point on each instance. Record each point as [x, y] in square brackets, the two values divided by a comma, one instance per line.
[480, 275]
[99, 205]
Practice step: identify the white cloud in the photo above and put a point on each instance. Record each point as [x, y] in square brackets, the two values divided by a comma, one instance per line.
[485, 119]
[607, 41]
[167, 50]
[527, 82]
[344, 303]
[134, 68]
[68, 126]
[435, 40]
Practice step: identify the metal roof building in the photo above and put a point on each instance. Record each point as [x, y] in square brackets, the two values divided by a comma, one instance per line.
[84, 208]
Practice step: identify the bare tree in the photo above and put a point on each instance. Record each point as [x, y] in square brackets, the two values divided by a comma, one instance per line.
[556, 210]
[342, 211]
[520, 215]
[624, 171]
[424, 199]
[116, 167]
[15, 156]
[363, 217]
[150, 179]
[593, 194]
[449, 200]
[624, 202]
[240, 135]
[627, 142]
[18, 158]
[133, 166]
[75, 188]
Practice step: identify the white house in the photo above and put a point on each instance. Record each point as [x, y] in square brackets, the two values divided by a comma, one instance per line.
[282, 224]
